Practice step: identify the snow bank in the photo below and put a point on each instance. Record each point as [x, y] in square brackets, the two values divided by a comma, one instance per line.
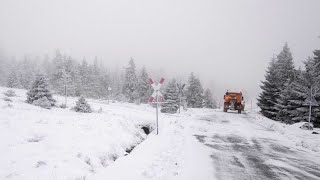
[38, 143]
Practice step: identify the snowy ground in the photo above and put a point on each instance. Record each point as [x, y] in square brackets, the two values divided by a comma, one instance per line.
[198, 144]
[37, 143]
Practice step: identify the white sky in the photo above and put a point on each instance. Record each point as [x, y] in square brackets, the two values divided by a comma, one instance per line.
[227, 43]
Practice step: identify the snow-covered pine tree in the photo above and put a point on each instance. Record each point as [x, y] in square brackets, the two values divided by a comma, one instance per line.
[13, 81]
[98, 90]
[82, 106]
[299, 111]
[270, 92]
[283, 103]
[285, 66]
[171, 96]
[59, 78]
[105, 84]
[144, 87]
[208, 101]
[72, 78]
[39, 94]
[285, 74]
[26, 72]
[130, 81]
[85, 79]
[194, 92]
[280, 71]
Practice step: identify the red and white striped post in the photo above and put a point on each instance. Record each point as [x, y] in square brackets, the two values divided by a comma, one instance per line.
[155, 95]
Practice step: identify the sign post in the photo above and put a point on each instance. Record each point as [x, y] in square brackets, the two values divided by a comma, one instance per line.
[155, 95]
[311, 101]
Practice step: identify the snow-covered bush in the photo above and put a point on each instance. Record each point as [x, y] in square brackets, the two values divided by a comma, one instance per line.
[39, 93]
[82, 106]
[42, 102]
[7, 99]
[63, 106]
[305, 126]
[10, 93]
[100, 110]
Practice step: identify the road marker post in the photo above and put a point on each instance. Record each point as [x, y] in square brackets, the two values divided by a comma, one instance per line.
[155, 95]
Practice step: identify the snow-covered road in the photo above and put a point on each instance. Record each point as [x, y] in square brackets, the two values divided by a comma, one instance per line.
[242, 149]
[216, 145]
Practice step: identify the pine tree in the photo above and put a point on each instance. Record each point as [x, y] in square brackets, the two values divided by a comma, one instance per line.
[26, 73]
[96, 80]
[59, 78]
[82, 106]
[13, 81]
[208, 101]
[280, 71]
[85, 79]
[72, 77]
[270, 92]
[285, 66]
[144, 87]
[283, 103]
[171, 96]
[194, 92]
[300, 111]
[130, 82]
[39, 94]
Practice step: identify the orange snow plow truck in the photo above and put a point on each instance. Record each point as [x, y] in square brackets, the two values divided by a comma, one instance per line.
[233, 101]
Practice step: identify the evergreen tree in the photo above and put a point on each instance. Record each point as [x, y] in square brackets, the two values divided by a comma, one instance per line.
[130, 82]
[208, 101]
[13, 81]
[279, 75]
[283, 103]
[96, 80]
[72, 77]
[59, 78]
[270, 92]
[39, 93]
[26, 73]
[285, 76]
[85, 79]
[144, 87]
[171, 96]
[285, 67]
[300, 111]
[194, 92]
[82, 106]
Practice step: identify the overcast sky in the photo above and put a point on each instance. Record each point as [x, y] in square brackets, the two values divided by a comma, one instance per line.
[228, 44]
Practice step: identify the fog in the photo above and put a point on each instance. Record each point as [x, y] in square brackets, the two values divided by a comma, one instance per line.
[228, 44]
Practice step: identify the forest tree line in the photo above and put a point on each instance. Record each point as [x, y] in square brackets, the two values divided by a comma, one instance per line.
[92, 80]
[286, 89]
